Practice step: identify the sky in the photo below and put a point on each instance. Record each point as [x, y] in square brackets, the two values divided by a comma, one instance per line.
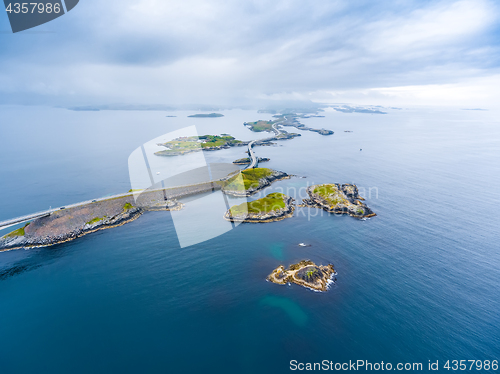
[225, 52]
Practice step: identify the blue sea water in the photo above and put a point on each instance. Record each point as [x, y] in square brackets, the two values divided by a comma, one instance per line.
[418, 282]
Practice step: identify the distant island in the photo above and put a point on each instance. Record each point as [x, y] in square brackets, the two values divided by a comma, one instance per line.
[337, 198]
[274, 207]
[203, 115]
[358, 109]
[305, 273]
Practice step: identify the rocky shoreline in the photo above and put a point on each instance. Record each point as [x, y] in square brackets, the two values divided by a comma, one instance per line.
[305, 273]
[338, 199]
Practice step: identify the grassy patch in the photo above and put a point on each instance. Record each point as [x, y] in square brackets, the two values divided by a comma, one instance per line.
[310, 273]
[260, 126]
[249, 178]
[273, 201]
[95, 220]
[19, 232]
[217, 141]
[331, 194]
[127, 206]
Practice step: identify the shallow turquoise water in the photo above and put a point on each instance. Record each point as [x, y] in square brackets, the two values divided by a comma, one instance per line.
[418, 282]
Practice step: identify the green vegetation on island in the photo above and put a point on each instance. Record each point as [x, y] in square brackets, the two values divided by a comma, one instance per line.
[246, 179]
[204, 115]
[189, 144]
[331, 193]
[273, 207]
[266, 204]
[95, 220]
[249, 181]
[127, 206]
[337, 198]
[259, 126]
[218, 141]
[19, 232]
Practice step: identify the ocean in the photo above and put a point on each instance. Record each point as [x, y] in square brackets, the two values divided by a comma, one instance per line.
[417, 283]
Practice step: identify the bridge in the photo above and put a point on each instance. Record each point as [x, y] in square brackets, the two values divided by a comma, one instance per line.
[254, 160]
[251, 153]
[171, 191]
[30, 217]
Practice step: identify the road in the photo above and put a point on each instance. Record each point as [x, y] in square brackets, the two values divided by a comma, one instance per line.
[251, 153]
[30, 217]
[45, 213]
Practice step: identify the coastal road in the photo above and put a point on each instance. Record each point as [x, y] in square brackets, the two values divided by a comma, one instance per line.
[45, 213]
[30, 217]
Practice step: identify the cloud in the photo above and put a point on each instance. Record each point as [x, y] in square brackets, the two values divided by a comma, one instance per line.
[213, 51]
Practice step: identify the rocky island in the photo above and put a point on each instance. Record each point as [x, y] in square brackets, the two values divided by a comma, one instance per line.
[274, 207]
[337, 198]
[290, 119]
[205, 115]
[252, 181]
[305, 273]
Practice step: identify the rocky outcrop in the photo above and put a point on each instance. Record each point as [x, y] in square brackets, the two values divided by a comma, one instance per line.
[262, 183]
[247, 160]
[337, 198]
[305, 273]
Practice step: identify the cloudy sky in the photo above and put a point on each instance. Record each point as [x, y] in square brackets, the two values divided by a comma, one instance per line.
[234, 52]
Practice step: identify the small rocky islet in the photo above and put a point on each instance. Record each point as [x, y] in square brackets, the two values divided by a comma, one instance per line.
[271, 208]
[338, 199]
[305, 273]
